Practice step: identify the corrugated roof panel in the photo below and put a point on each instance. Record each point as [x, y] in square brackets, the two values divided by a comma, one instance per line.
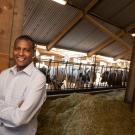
[110, 27]
[83, 37]
[116, 48]
[128, 57]
[126, 16]
[117, 12]
[47, 19]
[113, 50]
[79, 3]
[129, 39]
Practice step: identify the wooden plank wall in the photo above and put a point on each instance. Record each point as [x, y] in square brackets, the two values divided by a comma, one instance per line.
[11, 14]
[6, 17]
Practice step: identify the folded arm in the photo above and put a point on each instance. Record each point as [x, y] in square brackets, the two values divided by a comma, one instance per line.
[13, 116]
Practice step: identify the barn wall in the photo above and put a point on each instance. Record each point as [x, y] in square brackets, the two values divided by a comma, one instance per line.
[3, 61]
[10, 26]
[6, 17]
[17, 24]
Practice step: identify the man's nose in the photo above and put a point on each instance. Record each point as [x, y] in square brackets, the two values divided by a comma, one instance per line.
[21, 52]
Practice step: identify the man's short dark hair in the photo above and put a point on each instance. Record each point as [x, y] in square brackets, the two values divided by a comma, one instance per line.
[27, 38]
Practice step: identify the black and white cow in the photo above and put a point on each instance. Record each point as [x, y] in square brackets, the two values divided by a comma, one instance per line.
[115, 78]
[69, 77]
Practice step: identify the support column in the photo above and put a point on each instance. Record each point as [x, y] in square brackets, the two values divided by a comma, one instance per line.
[130, 92]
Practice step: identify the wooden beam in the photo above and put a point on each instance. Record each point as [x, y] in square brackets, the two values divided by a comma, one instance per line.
[130, 27]
[109, 41]
[104, 44]
[124, 54]
[65, 30]
[70, 25]
[90, 5]
[104, 29]
[130, 92]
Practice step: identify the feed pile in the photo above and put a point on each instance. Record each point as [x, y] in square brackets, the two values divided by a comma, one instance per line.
[84, 114]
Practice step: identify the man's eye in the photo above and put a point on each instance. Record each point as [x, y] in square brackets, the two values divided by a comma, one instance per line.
[27, 50]
[17, 49]
[24, 50]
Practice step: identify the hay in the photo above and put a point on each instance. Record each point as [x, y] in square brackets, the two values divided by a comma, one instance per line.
[83, 114]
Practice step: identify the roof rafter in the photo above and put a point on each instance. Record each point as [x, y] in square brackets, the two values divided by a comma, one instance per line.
[90, 19]
[89, 6]
[122, 55]
[65, 30]
[104, 44]
[130, 27]
[71, 24]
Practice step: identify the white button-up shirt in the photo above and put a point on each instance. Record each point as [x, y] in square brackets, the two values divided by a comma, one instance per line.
[21, 96]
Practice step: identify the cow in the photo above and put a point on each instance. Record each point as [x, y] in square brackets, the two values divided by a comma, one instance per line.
[88, 77]
[54, 77]
[115, 78]
[69, 77]
[79, 77]
[72, 79]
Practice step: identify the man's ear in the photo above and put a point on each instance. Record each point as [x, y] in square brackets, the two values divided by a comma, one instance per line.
[34, 52]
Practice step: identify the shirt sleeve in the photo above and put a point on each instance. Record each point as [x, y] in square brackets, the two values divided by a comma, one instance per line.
[1, 105]
[1, 101]
[14, 116]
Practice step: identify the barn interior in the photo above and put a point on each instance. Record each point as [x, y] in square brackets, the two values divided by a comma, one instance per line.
[94, 27]
[91, 26]
[82, 34]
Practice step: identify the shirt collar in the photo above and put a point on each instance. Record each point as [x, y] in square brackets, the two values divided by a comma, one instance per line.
[28, 70]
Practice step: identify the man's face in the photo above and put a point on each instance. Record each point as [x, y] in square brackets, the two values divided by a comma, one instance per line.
[23, 52]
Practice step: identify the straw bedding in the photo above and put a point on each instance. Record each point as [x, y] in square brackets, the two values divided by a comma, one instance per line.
[84, 114]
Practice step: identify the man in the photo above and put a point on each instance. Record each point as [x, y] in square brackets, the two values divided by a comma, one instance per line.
[22, 91]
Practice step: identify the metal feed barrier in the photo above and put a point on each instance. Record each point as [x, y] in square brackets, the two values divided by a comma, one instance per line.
[67, 77]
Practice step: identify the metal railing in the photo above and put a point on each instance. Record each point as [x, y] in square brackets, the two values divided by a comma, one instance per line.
[66, 76]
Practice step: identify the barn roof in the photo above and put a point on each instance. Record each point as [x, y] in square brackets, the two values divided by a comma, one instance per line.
[90, 26]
